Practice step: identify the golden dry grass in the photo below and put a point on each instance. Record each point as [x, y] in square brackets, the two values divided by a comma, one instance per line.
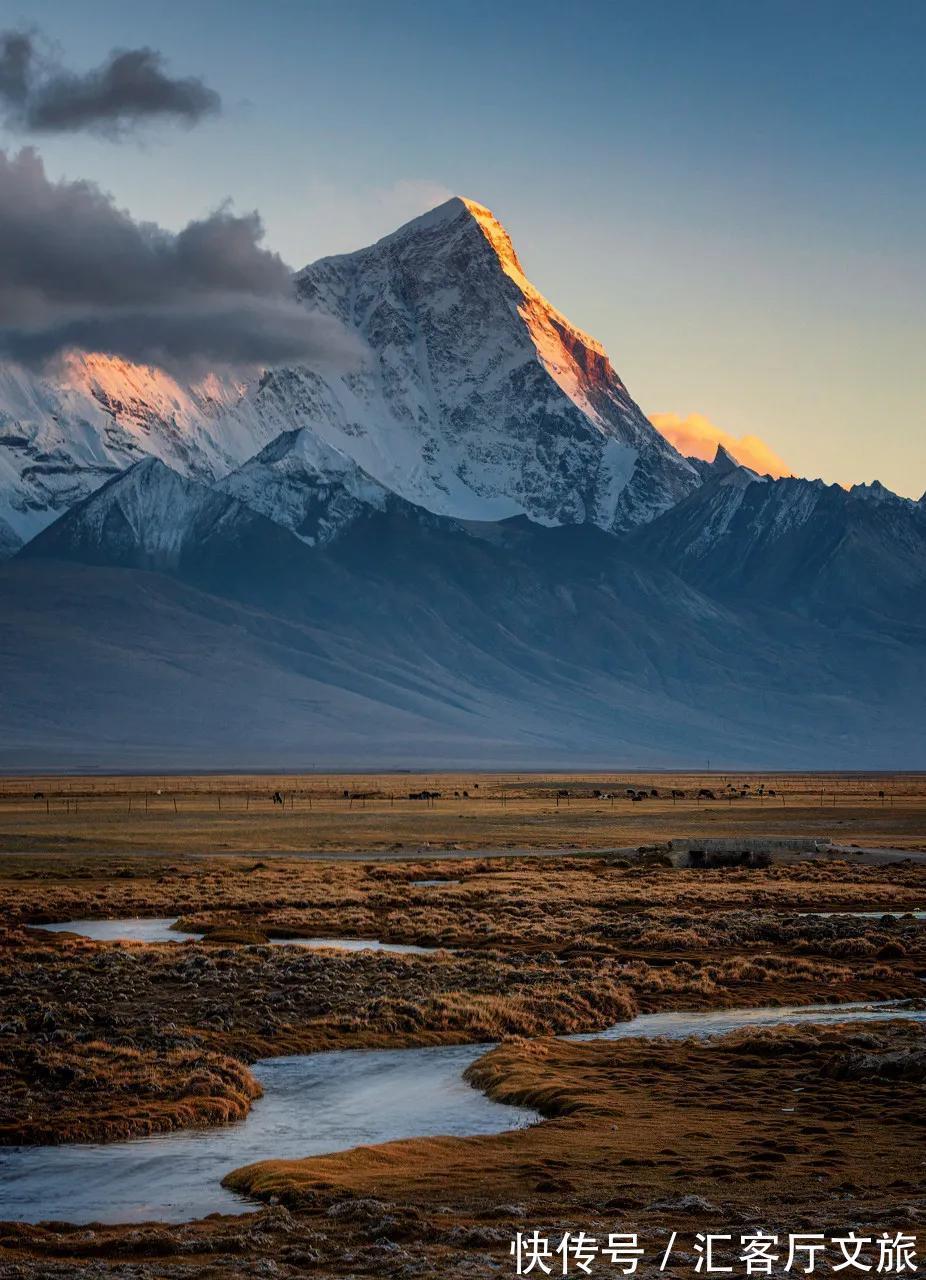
[543, 947]
[532, 947]
[96, 1091]
[570, 906]
[237, 813]
[772, 1116]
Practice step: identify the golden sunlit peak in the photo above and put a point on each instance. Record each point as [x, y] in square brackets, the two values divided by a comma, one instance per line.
[542, 311]
[495, 233]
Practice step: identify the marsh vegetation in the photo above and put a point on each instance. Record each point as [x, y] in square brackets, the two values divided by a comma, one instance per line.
[101, 1040]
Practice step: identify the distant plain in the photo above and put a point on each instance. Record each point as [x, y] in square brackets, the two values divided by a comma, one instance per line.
[371, 813]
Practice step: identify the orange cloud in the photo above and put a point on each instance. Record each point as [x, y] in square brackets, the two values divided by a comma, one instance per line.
[697, 437]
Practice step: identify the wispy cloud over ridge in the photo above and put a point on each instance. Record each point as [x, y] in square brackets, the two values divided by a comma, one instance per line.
[130, 87]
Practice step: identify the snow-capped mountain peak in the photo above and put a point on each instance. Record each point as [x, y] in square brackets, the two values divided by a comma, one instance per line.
[455, 210]
[64, 434]
[574, 359]
[307, 485]
[875, 491]
[724, 463]
[148, 516]
[150, 503]
[479, 399]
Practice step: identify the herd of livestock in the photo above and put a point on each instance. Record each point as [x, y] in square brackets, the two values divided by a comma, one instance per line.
[730, 792]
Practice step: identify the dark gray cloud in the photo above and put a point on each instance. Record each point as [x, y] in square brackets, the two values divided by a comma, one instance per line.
[16, 49]
[64, 243]
[77, 272]
[193, 336]
[130, 87]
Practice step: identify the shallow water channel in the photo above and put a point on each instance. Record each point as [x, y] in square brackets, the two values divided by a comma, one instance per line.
[313, 1104]
[161, 930]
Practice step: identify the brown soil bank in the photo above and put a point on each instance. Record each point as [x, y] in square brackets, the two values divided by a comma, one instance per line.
[523, 903]
[774, 1130]
[784, 1130]
[99, 1092]
[781, 1117]
[107, 1040]
[541, 950]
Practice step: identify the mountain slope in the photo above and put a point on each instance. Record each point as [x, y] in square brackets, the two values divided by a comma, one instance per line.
[798, 545]
[306, 485]
[149, 517]
[63, 435]
[412, 639]
[478, 399]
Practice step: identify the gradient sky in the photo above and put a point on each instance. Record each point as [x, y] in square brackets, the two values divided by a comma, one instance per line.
[730, 196]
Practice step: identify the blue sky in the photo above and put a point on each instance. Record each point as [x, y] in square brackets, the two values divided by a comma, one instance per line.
[730, 196]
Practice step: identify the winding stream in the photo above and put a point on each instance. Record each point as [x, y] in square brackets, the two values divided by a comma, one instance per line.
[162, 930]
[315, 1104]
[312, 1103]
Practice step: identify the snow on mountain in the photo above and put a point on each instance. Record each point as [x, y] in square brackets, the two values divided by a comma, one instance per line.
[478, 399]
[307, 485]
[877, 492]
[798, 545]
[415, 640]
[145, 517]
[64, 435]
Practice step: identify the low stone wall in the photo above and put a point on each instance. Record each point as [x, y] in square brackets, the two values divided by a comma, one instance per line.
[692, 852]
